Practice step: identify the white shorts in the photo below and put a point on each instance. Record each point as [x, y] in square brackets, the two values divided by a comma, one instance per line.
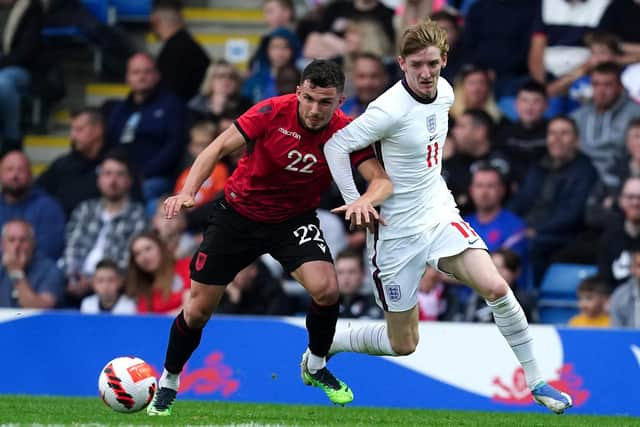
[398, 264]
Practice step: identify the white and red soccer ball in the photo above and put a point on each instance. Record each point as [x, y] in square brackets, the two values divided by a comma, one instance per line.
[127, 384]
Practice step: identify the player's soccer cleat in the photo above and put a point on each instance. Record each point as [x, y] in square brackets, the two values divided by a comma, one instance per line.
[162, 402]
[551, 398]
[336, 390]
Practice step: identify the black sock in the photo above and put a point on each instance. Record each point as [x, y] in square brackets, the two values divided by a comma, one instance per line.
[183, 341]
[321, 325]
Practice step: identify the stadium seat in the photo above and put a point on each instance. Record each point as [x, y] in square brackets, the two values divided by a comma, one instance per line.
[556, 315]
[557, 300]
[132, 11]
[561, 280]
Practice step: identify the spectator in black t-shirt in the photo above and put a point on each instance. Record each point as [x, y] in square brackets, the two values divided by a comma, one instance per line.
[621, 237]
[524, 141]
[182, 62]
[472, 133]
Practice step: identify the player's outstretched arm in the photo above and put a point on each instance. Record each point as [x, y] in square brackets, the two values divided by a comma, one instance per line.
[227, 142]
[362, 212]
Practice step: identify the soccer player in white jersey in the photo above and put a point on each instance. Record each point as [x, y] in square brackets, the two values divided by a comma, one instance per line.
[408, 125]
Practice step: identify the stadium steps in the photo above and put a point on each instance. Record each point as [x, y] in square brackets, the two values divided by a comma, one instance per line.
[96, 93]
[42, 149]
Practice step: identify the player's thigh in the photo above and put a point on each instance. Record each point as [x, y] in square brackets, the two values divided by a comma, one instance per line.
[231, 242]
[299, 245]
[397, 266]
[319, 279]
[475, 268]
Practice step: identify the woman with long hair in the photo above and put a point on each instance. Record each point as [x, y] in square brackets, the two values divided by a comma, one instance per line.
[154, 278]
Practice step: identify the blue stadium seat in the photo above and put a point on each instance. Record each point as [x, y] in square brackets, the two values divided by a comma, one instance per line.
[556, 315]
[562, 280]
[557, 300]
[132, 10]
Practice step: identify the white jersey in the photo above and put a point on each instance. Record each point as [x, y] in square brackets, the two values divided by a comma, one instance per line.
[409, 135]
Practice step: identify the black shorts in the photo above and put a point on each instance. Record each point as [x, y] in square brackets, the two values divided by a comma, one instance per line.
[232, 242]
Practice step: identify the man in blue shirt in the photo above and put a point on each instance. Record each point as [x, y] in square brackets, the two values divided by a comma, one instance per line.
[26, 281]
[20, 199]
[150, 125]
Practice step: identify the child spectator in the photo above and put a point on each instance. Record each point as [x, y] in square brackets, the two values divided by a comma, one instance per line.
[593, 295]
[154, 278]
[202, 133]
[107, 283]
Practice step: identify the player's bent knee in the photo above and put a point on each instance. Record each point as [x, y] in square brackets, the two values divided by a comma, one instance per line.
[496, 291]
[404, 348]
[325, 292]
[197, 312]
[406, 345]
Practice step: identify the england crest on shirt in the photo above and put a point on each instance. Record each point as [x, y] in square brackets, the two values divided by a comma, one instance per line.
[431, 123]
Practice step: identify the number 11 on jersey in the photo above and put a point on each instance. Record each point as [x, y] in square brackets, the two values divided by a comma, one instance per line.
[432, 154]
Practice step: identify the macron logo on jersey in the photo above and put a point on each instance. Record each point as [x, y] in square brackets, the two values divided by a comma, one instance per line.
[296, 135]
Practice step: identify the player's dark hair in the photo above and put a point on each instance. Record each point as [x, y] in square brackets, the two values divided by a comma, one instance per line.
[607, 68]
[109, 264]
[511, 259]
[569, 120]
[324, 73]
[533, 86]
[595, 284]
[95, 114]
[480, 118]
[351, 254]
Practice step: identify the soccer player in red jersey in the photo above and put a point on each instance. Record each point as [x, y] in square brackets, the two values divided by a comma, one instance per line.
[269, 207]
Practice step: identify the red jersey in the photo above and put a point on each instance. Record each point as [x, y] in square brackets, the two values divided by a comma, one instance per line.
[283, 172]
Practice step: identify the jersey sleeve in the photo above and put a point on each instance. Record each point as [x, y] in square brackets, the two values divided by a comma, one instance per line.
[366, 129]
[252, 124]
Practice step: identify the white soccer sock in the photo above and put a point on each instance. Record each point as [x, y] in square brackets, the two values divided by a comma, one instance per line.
[369, 339]
[169, 380]
[315, 363]
[513, 325]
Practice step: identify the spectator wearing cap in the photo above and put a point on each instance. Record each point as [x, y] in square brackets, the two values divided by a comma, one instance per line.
[102, 227]
[553, 195]
[472, 134]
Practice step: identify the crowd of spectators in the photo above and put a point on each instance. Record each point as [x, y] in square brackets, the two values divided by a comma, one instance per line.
[543, 155]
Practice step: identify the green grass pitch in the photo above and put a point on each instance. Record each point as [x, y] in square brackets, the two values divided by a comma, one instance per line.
[28, 410]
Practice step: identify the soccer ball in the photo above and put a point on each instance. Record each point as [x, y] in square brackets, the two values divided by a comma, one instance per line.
[127, 384]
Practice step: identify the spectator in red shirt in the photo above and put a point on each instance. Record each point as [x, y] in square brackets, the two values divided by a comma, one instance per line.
[154, 278]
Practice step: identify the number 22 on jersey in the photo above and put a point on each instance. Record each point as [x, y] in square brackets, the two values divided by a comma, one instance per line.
[307, 161]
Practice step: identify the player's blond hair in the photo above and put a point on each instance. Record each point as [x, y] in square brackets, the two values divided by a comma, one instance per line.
[421, 36]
